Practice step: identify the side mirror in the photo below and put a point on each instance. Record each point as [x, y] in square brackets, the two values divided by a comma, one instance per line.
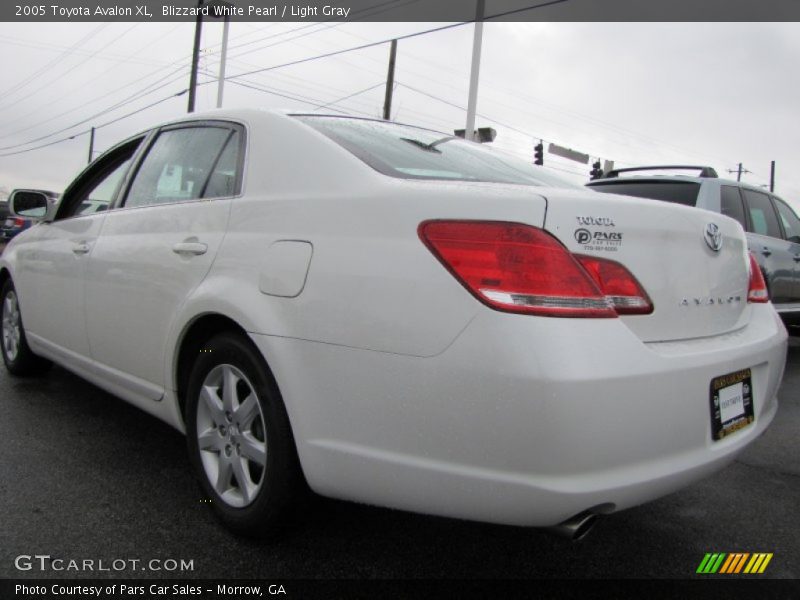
[32, 204]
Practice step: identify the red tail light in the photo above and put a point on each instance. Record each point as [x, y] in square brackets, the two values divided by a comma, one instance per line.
[757, 290]
[515, 268]
[19, 222]
[618, 285]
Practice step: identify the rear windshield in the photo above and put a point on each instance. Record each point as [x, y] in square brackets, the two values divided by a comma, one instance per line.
[680, 192]
[414, 153]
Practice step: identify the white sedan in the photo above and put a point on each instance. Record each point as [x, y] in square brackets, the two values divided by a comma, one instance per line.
[397, 317]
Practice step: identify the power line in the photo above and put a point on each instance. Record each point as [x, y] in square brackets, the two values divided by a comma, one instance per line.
[72, 68]
[482, 116]
[305, 100]
[120, 104]
[315, 24]
[52, 63]
[398, 38]
[349, 96]
[84, 132]
[181, 69]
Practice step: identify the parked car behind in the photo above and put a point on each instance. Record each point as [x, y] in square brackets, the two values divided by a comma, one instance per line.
[26, 217]
[398, 317]
[773, 228]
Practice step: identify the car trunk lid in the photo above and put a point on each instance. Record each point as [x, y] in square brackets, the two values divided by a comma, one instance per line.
[696, 290]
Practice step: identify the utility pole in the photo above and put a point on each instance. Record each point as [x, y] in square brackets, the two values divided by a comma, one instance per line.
[738, 172]
[223, 57]
[387, 103]
[195, 56]
[772, 176]
[91, 145]
[472, 104]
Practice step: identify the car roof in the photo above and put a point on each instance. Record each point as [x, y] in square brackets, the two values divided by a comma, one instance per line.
[668, 178]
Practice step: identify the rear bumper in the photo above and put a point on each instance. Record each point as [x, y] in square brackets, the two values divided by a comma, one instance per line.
[521, 420]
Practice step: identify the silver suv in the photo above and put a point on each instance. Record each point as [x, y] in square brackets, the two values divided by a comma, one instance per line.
[772, 227]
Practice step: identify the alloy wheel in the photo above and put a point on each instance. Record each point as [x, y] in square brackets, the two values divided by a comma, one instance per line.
[12, 326]
[231, 435]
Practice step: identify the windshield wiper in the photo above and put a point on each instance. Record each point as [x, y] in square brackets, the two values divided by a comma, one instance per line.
[432, 146]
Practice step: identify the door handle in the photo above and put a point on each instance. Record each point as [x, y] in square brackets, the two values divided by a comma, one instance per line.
[766, 251]
[196, 248]
[81, 248]
[797, 258]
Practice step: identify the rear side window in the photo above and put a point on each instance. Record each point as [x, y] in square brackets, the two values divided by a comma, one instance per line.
[791, 224]
[731, 204]
[679, 192]
[178, 166]
[762, 215]
[222, 182]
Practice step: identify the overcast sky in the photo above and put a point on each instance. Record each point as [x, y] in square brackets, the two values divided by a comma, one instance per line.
[708, 93]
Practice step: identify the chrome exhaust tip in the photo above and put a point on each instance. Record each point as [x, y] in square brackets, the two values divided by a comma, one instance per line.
[575, 528]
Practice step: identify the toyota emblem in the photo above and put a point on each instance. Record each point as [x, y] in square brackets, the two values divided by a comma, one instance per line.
[713, 237]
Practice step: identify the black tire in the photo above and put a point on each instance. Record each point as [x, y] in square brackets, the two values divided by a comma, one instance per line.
[17, 355]
[245, 510]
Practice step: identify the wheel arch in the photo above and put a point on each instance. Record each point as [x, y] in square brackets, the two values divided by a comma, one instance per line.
[5, 275]
[196, 333]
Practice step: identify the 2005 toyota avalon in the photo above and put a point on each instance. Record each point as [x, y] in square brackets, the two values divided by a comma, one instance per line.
[397, 317]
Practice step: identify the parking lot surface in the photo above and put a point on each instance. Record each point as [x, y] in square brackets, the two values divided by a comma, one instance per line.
[85, 476]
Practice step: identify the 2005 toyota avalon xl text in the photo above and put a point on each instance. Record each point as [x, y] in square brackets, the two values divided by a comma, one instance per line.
[397, 317]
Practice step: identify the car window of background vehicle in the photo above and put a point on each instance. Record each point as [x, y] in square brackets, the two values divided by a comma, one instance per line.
[679, 192]
[762, 215]
[731, 204]
[791, 224]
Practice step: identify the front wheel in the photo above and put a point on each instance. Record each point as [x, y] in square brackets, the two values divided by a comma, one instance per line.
[17, 355]
[239, 438]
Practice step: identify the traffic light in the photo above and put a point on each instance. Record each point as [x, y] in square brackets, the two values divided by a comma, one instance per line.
[538, 153]
[597, 171]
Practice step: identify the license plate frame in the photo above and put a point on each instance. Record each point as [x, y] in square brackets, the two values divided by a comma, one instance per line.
[731, 403]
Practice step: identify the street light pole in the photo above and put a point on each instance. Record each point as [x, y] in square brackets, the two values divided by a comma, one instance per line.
[472, 103]
[223, 58]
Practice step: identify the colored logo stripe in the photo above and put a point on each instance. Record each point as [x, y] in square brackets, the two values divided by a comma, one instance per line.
[733, 563]
[758, 563]
[711, 563]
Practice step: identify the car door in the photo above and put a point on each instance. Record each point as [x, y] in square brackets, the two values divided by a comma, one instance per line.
[791, 233]
[773, 253]
[157, 247]
[52, 258]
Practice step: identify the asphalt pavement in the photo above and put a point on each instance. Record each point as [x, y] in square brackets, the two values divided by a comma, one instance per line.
[85, 476]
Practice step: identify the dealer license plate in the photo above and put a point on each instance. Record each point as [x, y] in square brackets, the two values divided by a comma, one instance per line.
[731, 403]
[9, 223]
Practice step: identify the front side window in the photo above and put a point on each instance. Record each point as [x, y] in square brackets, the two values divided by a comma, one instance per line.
[762, 215]
[95, 191]
[791, 224]
[181, 163]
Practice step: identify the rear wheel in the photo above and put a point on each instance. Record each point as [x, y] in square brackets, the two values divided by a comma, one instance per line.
[239, 439]
[17, 355]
